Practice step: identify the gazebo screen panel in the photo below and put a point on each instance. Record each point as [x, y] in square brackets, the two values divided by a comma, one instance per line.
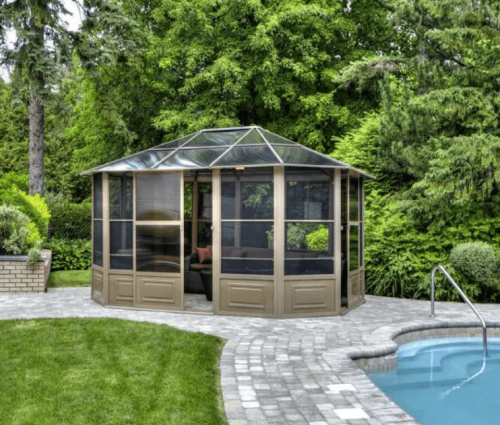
[309, 247]
[158, 197]
[98, 249]
[158, 248]
[121, 245]
[97, 196]
[353, 247]
[120, 235]
[97, 252]
[189, 158]
[354, 210]
[247, 223]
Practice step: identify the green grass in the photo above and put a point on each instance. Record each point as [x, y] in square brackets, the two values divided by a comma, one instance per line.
[107, 371]
[66, 278]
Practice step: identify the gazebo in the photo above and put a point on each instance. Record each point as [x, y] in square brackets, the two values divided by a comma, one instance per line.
[269, 227]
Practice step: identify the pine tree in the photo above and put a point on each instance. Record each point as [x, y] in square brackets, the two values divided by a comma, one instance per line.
[44, 47]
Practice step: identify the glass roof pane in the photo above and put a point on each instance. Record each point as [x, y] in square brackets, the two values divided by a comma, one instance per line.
[141, 161]
[175, 143]
[189, 158]
[274, 138]
[252, 138]
[248, 155]
[217, 138]
[300, 156]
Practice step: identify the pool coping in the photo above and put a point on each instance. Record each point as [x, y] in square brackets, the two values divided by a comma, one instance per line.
[379, 353]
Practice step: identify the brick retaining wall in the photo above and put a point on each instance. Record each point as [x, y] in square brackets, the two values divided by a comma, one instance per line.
[18, 276]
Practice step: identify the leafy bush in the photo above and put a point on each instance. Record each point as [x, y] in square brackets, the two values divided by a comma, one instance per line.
[476, 261]
[73, 254]
[16, 234]
[12, 192]
[399, 257]
[71, 221]
[318, 240]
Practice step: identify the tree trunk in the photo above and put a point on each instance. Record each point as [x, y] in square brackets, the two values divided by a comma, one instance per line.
[36, 119]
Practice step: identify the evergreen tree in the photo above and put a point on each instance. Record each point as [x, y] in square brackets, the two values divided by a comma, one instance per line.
[42, 49]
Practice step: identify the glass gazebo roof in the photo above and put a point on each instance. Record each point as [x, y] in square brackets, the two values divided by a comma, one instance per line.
[224, 148]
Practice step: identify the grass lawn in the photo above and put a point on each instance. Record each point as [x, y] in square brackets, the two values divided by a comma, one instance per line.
[107, 371]
[65, 278]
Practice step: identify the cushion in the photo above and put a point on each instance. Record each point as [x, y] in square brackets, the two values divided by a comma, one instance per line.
[205, 254]
[198, 267]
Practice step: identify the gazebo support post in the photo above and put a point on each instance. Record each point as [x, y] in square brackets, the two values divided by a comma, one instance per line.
[337, 238]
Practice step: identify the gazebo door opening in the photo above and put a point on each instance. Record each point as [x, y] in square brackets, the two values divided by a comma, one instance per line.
[198, 225]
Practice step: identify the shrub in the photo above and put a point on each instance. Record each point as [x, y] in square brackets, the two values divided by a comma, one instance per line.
[13, 192]
[476, 261]
[68, 254]
[70, 220]
[17, 236]
[318, 240]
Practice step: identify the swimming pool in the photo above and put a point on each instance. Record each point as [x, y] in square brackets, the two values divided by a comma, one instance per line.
[446, 381]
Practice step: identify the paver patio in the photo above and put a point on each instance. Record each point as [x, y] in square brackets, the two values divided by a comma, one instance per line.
[289, 371]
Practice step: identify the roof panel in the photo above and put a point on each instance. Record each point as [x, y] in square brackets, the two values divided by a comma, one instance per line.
[216, 138]
[275, 139]
[175, 143]
[252, 138]
[140, 161]
[247, 156]
[297, 155]
[189, 158]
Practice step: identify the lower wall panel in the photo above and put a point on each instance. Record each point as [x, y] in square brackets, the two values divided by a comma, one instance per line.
[97, 286]
[247, 297]
[164, 293]
[121, 290]
[309, 297]
[355, 287]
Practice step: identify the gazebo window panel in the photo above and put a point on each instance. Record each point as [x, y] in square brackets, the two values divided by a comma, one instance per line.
[97, 258]
[354, 248]
[120, 235]
[120, 197]
[354, 194]
[98, 196]
[308, 248]
[188, 216]
[308, 222]
[121, 245]
[158, 197]
[247, 222]
[98, 247]
[158, 248]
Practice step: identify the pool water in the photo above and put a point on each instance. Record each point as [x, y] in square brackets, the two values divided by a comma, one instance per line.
[446, 381]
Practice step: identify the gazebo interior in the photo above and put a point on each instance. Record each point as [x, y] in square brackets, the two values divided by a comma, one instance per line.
[236, 221]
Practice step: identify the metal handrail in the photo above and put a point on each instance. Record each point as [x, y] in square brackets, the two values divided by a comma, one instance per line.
[464, 297]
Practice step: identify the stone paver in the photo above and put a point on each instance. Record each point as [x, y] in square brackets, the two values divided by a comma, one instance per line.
[289, 371]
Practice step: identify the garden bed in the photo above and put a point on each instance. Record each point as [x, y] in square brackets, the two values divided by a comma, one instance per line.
[18, 276]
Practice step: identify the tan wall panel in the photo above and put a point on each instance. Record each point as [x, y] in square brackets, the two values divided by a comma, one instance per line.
[97, 286]
[354, 287]
[247, 297]
[164, 293]
[309, 297]
[121, 290]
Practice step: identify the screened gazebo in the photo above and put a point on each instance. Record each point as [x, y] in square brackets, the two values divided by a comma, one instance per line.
[249, 222]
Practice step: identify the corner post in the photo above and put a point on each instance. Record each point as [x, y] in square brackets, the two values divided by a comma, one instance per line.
[337, 237]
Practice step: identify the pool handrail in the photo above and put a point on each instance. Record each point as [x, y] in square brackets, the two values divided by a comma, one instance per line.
[464, 297]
